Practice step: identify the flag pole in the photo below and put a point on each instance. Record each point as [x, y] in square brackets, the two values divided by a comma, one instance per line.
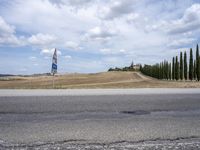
[53, 81]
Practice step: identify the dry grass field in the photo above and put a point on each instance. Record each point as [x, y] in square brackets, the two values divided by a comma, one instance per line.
[97, 80]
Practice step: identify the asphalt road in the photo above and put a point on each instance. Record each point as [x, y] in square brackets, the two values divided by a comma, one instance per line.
[98, 119]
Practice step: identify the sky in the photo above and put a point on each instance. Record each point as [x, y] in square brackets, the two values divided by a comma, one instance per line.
[94, 35]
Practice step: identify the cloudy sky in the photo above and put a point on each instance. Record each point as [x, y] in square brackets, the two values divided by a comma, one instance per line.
[93, 35]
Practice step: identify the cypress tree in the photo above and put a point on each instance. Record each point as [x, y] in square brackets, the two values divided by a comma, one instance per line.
[181, 66]
[170, 71]
[164, 77]
[165, 62]
[159, 70]
[162, 70]
[191, 65]
[173, 69]
[195, 75]
[177, 74]
[166, 69]
[197, 68]
[185, 66]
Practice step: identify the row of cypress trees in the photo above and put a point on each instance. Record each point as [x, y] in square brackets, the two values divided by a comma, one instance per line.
[177, 69]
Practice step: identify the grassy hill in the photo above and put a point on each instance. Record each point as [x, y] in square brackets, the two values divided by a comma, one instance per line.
[98, 80]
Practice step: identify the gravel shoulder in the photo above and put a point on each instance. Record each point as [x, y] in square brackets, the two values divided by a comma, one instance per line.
[87, 92]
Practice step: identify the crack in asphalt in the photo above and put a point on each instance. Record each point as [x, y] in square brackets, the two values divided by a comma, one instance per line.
[133, 112]
[9, 145]
[82, 142]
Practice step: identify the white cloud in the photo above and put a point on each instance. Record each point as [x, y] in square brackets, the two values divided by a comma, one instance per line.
[76, 3]
[72, 45]
[42, 39]
[33, 58]
[67, 57]
[79, 2]
[57, 2]
[122, 51]
[7, 34]
[8, 37]
[116, 8]
[181, 42]
[132, 17]
[5, 28]
[189, 22]
[108, 51]
[161, 25]
[105, 51]
[36, 64]
[100, 33]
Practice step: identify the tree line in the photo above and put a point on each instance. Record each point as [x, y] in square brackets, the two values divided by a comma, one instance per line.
[177, 69]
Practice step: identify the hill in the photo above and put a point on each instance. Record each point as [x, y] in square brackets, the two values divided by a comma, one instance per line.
[98, 80]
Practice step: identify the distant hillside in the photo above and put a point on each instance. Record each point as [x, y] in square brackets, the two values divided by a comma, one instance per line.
[6, 75]
[33, 75]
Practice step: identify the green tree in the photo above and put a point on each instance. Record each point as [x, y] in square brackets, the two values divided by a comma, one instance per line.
[173, 68]
[197, 68]
[181, 66]
[170, 71]
[191, 65]
[167, 69]
[195, 75]
[185, 66]
[177, 69]
[162, 70]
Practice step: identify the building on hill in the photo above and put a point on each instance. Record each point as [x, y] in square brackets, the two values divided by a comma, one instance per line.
[136, 67]
[132, 67]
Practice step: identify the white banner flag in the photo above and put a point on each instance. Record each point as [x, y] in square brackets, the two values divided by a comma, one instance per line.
[54, 63]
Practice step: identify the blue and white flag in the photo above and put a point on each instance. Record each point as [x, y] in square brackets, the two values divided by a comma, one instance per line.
[54, 63]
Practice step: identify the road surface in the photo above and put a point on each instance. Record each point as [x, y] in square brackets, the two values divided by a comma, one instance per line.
[100, 119]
